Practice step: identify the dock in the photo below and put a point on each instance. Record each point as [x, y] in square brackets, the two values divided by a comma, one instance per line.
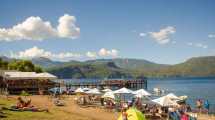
[105, 83]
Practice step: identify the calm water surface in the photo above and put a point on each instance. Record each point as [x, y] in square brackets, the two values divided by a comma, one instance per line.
[194, 88]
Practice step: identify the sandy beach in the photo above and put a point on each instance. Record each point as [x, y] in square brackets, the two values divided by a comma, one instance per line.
[70, 111]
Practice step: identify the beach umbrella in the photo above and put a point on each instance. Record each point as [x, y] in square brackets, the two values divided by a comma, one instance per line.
[107, 90]
[79, 90]
[108, 95]
[184, 97]
[86, 89]
[165, 101]
[93, 91]
[123, 91]
[57, 89]
[141, 92]
[173, 96]
[133, 114]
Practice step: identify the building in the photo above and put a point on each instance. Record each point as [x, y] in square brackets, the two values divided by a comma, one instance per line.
[15, 82]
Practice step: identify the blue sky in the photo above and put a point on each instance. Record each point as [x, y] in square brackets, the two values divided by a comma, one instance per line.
[162, 31]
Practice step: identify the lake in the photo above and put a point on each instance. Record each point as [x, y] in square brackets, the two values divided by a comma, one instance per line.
[203, 88]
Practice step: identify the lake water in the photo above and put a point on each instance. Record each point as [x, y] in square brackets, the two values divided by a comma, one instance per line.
[203, 88]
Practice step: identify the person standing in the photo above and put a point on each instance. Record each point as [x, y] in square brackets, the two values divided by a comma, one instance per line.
[207, 105]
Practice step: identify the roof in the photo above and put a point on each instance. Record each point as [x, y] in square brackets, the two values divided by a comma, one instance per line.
[28, 75]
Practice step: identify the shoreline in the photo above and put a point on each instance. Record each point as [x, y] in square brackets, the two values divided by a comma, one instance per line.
[70, 111]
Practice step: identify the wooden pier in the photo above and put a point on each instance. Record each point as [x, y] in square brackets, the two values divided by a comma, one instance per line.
[108, 83]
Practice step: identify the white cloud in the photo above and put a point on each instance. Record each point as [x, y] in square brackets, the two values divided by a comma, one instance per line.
[67, 27]
[37, 52]
[62, 56]
[104, 52]
[211, 35]
[34, 28]
[199, 45]
[91, 54]
[142, 34]
[163, 36]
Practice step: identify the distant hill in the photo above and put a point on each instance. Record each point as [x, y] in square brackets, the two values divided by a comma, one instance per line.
[102, 68]
[131, 64]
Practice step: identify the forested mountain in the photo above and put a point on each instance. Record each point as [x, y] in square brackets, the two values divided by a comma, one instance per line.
[119, 68]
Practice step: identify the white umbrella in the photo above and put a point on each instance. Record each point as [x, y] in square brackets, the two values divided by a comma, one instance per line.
[123, 91]
[79, 90]
[93, 91]
[141, 92]
[165, 101]
[107, 90]
[173, 96]
[108, 95]
[86, 89]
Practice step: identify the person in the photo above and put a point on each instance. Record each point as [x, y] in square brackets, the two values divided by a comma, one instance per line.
[124, 114]
[184, 116]
[198, 104]
[207, 105]
[20, 103]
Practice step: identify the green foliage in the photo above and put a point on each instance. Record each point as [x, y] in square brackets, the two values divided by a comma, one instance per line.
[20, 65]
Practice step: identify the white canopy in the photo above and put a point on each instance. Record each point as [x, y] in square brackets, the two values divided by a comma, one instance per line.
[107, 90]
[93, 91]
[123, 90]
[165, 101]
[109, 95]
[141, 93]
[79, 90]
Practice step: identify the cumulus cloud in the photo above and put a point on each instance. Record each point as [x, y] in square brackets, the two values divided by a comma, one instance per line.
[104, 52]
[35, 28]
[163, 36]
[211, 35]
[37, 52]
[199, 45]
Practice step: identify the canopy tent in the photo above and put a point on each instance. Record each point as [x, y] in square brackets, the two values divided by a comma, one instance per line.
[108, 95]
[133, 114]
[123, 91]
[93, 91]
[107, 90]
[141, 92]
[165, 101]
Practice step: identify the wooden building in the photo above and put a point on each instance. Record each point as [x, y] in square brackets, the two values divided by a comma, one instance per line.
[14, 82]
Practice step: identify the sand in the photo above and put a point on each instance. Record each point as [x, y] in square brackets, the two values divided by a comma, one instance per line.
[72, 110]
